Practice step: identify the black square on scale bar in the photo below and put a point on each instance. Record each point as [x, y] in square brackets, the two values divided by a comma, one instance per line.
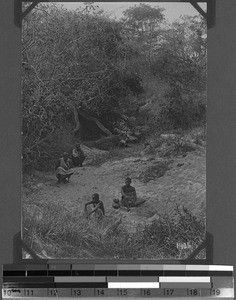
[106, 273]
[59, 273]
[129, 272]
[37, 273]
[152, 273]
[82, 272]
[174, 273]
[14, 273]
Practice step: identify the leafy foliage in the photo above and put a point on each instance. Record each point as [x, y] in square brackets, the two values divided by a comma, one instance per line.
[83, 57]
[181, 109]
[71, 56]
[182, 62]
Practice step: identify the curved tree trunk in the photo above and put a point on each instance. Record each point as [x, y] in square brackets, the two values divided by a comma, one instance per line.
[79, 111]
[76, 118]
[96, 121]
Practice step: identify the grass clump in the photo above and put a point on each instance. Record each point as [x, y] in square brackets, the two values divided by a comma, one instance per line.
[182, 227]
[155, 171]
[178, 144]
[58, 233]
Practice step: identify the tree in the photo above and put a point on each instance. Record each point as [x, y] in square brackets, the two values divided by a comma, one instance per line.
[69, 58]
[143, 26]
[181, 56]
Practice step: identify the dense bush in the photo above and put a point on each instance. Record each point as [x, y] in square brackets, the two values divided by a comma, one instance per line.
[181, 61]
[111, 68]
[71, 58]
[182, 110]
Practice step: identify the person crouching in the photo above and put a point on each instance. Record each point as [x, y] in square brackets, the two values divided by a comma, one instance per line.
[63, 172]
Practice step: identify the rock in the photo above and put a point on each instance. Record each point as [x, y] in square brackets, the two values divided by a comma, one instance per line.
[117, 201]
[123, 143]
[106, 143]
[150, 220]
[143, 129]
[91, 153]
[131, 138]
[148, 158]
[168, 136]
[145, 107]
[115, 205]
[131, 159]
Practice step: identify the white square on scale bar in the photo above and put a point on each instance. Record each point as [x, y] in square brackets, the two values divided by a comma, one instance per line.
[133, 285]
[221, 268]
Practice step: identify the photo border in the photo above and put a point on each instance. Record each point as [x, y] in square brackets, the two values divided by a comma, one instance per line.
[220, 116]
[206, 244]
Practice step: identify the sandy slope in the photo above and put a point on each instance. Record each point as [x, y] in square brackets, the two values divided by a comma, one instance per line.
[183, 184]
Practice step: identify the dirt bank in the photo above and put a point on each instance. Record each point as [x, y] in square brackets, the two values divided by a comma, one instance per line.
[182, 184]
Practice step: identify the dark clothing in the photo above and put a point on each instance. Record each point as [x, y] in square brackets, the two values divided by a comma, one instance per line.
[78, 157]
[129, 196]
[125, 203]
[129, 190]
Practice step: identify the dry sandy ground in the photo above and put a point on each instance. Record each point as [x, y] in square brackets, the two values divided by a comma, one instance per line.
[183, 184]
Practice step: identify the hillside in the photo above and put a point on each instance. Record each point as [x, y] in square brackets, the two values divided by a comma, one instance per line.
[165, 183]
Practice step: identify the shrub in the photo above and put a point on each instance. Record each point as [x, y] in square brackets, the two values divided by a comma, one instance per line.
[199, 135]
[181, 109]
[182, 145]
[44, 156]
[176, 145]
[153, 172]
[179, 227]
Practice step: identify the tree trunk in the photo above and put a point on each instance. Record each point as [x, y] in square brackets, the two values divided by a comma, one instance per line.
[76, 118]
[96, 121]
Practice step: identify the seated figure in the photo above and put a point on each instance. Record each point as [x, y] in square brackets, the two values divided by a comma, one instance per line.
[78, 156]
[128, 197]
[98, 207]
[128, 194]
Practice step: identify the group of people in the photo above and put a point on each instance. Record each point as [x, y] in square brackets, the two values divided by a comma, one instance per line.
[64, 164]
[64, 172]
[128, 199]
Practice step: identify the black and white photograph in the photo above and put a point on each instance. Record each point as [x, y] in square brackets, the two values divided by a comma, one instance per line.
[113, 109]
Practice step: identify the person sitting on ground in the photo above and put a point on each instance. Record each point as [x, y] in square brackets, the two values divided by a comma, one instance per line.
[78, 156]
[63, 172]
[128, 194]
[98, 207]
